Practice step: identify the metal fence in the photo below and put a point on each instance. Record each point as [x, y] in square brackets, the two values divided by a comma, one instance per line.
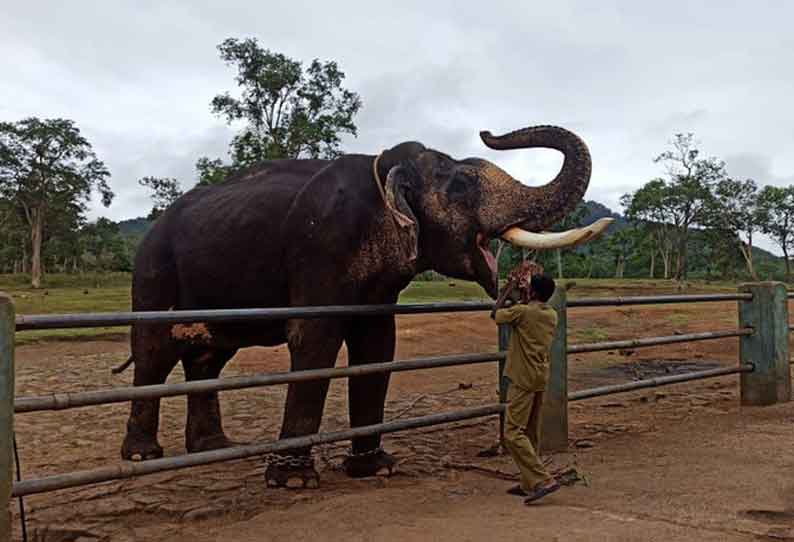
[762, 330]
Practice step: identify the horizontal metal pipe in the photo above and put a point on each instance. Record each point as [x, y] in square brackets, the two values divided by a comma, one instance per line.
[654, 341]
[85, 320]
[658, 381]
[129, 469]
[61, 401]
[656, 299]
[54, 321]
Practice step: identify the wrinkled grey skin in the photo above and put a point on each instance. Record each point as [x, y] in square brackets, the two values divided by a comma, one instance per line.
[316, 232]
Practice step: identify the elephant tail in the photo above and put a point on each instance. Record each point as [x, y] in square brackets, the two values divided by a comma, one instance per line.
[121, 368]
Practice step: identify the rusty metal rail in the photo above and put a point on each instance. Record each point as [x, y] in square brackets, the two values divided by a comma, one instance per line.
[87, 320]
[754, 311]
[658, 381]
[655, 341]
[129, 469]
[62, 401]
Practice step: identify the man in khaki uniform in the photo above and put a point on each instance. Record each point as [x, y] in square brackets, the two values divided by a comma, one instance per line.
[533, 324]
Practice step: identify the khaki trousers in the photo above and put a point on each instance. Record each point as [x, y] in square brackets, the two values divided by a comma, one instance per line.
[522, 435]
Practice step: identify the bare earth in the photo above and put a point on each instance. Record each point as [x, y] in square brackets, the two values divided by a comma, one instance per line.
[679, 463]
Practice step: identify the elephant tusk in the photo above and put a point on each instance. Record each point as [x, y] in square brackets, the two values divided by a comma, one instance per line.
[565, 239]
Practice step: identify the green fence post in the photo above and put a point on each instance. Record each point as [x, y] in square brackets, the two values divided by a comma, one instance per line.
[7, 326]
[554, 428]
[767, 347]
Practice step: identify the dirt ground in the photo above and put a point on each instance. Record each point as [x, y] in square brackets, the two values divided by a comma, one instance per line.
[677, 463]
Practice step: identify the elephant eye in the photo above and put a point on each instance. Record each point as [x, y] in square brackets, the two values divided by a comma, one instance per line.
[459, 186]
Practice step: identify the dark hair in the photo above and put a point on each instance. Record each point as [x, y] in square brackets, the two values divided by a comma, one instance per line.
[543, 287]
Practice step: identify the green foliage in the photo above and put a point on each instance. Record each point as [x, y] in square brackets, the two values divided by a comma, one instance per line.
[165, 191]
[699, 219]
[775, 215]
[211, 171]
[287, 110]
[48, 171]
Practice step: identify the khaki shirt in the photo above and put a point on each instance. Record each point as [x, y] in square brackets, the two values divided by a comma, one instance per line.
[533, 326]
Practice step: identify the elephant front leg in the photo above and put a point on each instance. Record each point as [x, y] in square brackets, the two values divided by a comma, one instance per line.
[314, 344]
[371, 340]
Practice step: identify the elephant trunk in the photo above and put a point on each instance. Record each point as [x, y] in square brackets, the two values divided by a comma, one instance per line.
[524, 210]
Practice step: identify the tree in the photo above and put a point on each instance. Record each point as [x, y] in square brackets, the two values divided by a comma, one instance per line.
[732, 214]
[13, 239]
[775, 216]
[572, 220]
[103, 248]
[165, 191]
[650, 206]
[288, 111]
[46, 167]
[689, 191]
[211, 171]
[620, 245]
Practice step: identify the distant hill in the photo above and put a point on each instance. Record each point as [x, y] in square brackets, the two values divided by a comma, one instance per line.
[134, 226]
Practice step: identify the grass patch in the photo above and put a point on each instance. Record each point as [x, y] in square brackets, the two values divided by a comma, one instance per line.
[591, 334]
[110, 292]
[436, 291]
[679, 319]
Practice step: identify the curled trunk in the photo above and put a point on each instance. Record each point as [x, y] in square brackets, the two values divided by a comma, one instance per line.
[518, 212]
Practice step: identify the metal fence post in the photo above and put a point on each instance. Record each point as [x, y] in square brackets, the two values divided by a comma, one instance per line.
[554, 427]
[767, 347]
[504, 341]
[6, 413]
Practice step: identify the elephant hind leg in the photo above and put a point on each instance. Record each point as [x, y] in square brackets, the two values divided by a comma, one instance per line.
[155, 354]
[204, 430]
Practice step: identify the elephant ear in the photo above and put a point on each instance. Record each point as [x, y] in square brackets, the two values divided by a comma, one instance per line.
[398, 184]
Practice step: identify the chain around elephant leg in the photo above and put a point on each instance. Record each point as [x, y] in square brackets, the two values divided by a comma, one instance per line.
[285, 470]
[369, 463]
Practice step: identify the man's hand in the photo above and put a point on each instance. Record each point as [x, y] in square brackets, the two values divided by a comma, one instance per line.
[503, 297]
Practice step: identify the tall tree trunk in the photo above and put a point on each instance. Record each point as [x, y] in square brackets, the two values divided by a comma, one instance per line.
[664, 252]
[653, 263]
[500, 245]
[788, 263]
[620, 263]
[36, 230]
[559, 263]
[681, 267]
[747, 251]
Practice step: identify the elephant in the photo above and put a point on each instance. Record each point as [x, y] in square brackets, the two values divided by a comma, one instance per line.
[348, 231]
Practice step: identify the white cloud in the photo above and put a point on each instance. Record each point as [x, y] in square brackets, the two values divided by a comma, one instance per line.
[137, 77]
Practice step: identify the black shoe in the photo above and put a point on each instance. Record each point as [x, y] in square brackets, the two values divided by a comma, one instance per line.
[541, 491]
[516, 490]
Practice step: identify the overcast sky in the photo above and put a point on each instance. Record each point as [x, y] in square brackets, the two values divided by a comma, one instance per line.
[137, 78]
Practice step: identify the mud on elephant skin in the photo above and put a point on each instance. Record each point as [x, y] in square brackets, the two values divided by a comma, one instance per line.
[354, 230]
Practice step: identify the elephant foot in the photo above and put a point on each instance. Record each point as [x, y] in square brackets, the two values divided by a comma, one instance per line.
[209, 442]
[291, 471]
[370, 463]
[140, 448]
